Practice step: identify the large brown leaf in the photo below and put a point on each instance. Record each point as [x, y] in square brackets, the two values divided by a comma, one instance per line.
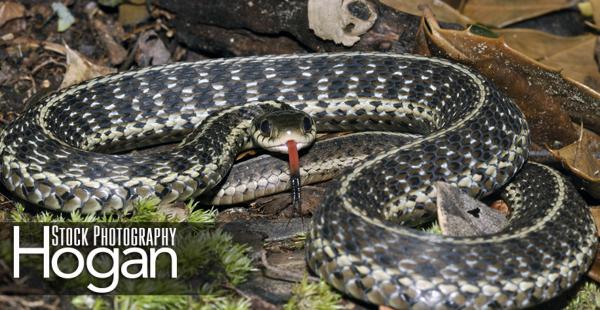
[81, 69]
[442, 10]
[496, 13]
[573, 56]
[500, 13]
[545, 96]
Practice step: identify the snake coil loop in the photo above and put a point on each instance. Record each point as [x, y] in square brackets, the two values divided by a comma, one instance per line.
[475, 138]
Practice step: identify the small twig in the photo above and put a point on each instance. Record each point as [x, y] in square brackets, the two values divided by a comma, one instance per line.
[21, 303]
[33, 88]
[137, 30]
[252, 297]
[47, 62]
[12, 289]
[282, 275]
[41, 304]
[579, 144]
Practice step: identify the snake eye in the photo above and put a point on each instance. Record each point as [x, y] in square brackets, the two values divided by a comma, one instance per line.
[265, 128]
[307, 124]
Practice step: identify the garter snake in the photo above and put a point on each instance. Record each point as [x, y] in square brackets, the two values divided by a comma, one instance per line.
[55, 155]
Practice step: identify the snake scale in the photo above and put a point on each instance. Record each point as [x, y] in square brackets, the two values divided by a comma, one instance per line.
[55, 155]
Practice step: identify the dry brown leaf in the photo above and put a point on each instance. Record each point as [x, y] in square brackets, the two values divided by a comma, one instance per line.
[10, 11]
[595, 4]
[150, 50]
[578, 63]
[20, 45]
[540, 91]
[442, 10]
[132, 14]
[80, 69]
[109, 32]
[116, 52]
[538, 44]
[500, 13]
[26, 43]
[580, 160]
[572, 56]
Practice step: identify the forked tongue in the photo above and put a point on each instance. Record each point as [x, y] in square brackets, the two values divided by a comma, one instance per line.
[294, 162]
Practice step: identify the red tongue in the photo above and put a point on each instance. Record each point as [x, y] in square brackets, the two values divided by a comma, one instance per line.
[294, 174]
[293, 158]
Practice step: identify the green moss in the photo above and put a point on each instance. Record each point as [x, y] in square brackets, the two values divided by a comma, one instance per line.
[144, 211]
[433, 228]
[18, 214]
[199, 215]
[308, 296]
[212, 302]
[90, 302]
[216, 256]
[147, 211]
[123, 302]
[588, 297]
[219, 301]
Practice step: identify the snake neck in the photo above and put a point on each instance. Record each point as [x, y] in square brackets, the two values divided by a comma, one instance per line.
[234, 123]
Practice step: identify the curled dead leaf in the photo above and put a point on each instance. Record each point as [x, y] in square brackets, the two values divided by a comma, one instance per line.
[20, 44]
[10, 10]
[548, 99]
[579, 158]
[150, 50]
[116, 52]
[81, 69]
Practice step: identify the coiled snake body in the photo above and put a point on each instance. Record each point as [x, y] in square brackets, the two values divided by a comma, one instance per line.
[475, 138]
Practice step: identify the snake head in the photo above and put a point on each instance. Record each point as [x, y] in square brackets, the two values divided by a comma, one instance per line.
[271, 131]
